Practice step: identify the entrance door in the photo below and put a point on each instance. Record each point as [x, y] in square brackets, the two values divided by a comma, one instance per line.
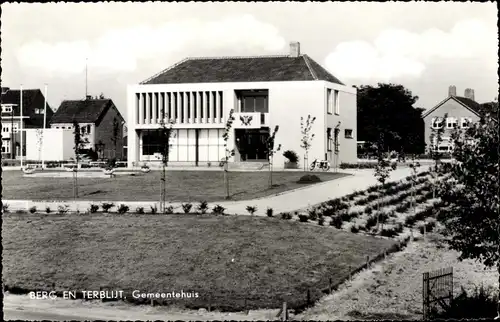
[252, 144]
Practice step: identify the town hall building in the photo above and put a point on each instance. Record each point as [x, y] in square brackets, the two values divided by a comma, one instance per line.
[263, 92]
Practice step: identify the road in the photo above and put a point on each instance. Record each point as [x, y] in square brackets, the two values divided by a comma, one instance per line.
[30, 315]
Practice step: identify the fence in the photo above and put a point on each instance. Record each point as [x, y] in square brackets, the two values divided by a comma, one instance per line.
[437, 291]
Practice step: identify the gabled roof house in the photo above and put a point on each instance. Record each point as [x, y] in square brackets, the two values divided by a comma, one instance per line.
[96, 118]
[461, 112]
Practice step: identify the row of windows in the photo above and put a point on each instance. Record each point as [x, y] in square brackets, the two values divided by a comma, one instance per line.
[6, 128]
[333, 140]
[451, 122]
[332, 101]
[183, 107]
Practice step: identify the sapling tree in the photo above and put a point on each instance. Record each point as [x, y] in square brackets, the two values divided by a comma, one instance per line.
[436, 137]
[79, 144]
[414, 166]
[39, 142]
[471, 210]
[114, 138]
[307, 136]
[270, 153]
[166, 133]
[228, 153]
[382, 169]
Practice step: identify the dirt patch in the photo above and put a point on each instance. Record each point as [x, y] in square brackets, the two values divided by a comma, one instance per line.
[395, 285]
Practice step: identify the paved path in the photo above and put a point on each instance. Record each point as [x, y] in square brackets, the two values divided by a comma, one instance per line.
[287, 201]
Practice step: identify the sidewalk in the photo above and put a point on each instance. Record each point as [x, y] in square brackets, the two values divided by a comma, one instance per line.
[287, 201]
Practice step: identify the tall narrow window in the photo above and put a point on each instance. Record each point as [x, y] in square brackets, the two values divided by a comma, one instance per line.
[202, 104]
[329, 101]
[329, 139]
[221, 105]
[214, 106]
[336, 102]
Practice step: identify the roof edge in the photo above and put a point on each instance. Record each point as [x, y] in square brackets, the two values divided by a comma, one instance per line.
[311, 70]
[444, 101]
[164, 71]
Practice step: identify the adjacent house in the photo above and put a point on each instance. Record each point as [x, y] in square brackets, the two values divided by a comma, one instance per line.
[32, 118]
[264, 92]
[100, 122]
[461, 112]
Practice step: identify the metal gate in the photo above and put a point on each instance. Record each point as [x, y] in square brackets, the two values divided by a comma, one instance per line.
[437, 291]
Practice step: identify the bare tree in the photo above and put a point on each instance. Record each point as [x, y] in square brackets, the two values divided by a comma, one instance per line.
[307, 137]
[228, 152]
[271, 151]
[79, 143]
[166, 132]
[436, 138]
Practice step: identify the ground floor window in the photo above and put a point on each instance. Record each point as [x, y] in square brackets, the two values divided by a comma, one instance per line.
[186, 145]
[5, 146]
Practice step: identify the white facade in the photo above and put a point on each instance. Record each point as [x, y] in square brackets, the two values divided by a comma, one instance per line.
[87, 131]
[200, 112]
[49, 144]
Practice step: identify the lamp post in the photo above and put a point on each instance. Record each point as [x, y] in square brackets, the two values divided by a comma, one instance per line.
[44, 125]
[21, 121]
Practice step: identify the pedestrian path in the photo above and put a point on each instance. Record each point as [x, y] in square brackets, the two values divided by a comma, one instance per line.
[287, 201]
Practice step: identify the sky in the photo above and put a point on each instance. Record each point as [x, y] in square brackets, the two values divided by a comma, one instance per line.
[424, 46]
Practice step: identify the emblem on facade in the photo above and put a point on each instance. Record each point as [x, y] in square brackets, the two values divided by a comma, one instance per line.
[246, 119]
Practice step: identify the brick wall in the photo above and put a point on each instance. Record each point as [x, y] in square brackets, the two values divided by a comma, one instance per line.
[104, 133]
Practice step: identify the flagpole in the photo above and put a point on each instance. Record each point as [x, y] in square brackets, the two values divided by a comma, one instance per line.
[44, 126]
[21, 125]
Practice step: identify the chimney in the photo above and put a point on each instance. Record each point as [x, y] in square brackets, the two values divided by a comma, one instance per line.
[294, 49]
[89, 97]
[452, 90]
[469, 93]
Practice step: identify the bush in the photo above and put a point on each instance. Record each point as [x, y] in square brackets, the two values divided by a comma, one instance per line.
[481, 303]
[48, 210]
[313, 213]
[368, 210]
[186, 207]
[154, 209]
[123, 209]
[251, 209]
[388, 232]
[286, 216]
[303, 218]
[5, 208]
[321, 221]
[33, 209]
[106, 206]
[354, 229]
[168, 210]
[336, 222]
[203, 207]
[93, 208]
[309, 178]
[218, 210]
[291, 156]
[139, 210]
[63, 209]
[269, 212]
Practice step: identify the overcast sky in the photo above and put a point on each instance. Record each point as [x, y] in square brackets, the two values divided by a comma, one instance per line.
[424, 46]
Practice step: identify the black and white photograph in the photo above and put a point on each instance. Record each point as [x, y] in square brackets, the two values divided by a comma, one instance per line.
[249, 161]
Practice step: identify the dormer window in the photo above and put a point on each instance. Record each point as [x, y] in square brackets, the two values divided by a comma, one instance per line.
[437, 122]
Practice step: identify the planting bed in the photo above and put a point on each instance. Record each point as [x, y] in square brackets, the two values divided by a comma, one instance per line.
[274, 260]
[398, 206]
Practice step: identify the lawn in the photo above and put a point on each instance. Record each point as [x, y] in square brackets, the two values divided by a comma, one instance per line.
[181, 186]
[274, 259]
